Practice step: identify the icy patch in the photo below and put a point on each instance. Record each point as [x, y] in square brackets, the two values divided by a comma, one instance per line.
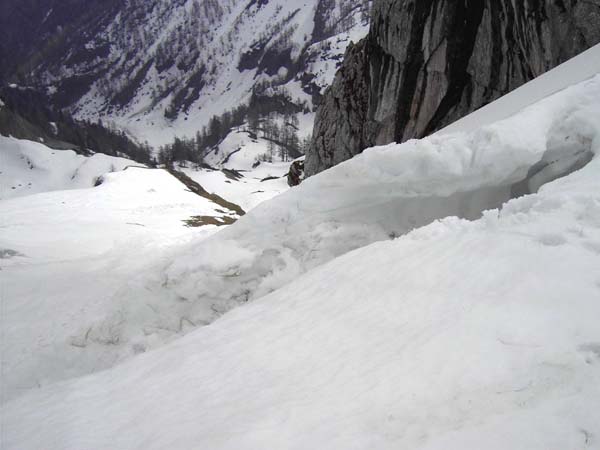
[591, 352]
[569, 148]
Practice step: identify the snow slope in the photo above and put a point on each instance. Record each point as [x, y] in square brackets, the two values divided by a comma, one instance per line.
[460, 334]
[86, 249]
[29, 168]
[242, 176]
[250, 189]
[381, 194]
[71, 264]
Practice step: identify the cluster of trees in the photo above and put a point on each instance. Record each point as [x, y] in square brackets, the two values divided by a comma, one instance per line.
[194, 149]
[28, 115]
[100, 139]
[271, 117]
[345, 19]
[181, 151]
[283, 140]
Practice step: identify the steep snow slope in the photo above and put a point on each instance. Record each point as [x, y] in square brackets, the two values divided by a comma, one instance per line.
[457, 335]
[163, 68]
[29, 168]
[384, 193]
[71, 264]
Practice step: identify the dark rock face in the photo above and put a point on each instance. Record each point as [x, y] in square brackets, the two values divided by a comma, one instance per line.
[35, 32]
[427, 63]
[296, 173]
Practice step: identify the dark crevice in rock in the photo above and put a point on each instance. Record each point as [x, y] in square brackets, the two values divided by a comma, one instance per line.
[464, 29]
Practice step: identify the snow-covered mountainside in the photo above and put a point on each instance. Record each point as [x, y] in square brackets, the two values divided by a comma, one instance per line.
[30, 168]
[472, 323]
[161, 68]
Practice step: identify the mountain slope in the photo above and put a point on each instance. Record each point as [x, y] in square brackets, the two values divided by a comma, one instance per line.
[382, 194]
[28, 114]
[35, 31]
[162, 68]
[460, 334]
[426, 64]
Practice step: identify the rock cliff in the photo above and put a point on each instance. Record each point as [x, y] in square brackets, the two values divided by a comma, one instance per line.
[427, 63]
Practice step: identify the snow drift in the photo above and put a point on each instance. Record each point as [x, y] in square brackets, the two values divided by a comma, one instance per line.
[386, 192]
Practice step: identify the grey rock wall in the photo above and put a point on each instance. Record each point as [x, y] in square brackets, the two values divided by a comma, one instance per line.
[427, 63]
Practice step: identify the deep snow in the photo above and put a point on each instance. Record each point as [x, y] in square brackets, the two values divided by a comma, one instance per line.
[458, 335]
[386, 192]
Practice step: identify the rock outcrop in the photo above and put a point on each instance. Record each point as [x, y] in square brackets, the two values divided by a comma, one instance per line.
[427, 63]
[296, 173]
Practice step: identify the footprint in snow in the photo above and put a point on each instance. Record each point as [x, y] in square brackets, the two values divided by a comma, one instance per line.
[591, 352]
[552, 240]
[7, 253]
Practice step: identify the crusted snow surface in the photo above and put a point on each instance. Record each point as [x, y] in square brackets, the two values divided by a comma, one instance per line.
[460, 334]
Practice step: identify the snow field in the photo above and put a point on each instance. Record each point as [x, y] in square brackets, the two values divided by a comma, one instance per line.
[30, 168]
[439, 294]
[457, 335]
[75, 268]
